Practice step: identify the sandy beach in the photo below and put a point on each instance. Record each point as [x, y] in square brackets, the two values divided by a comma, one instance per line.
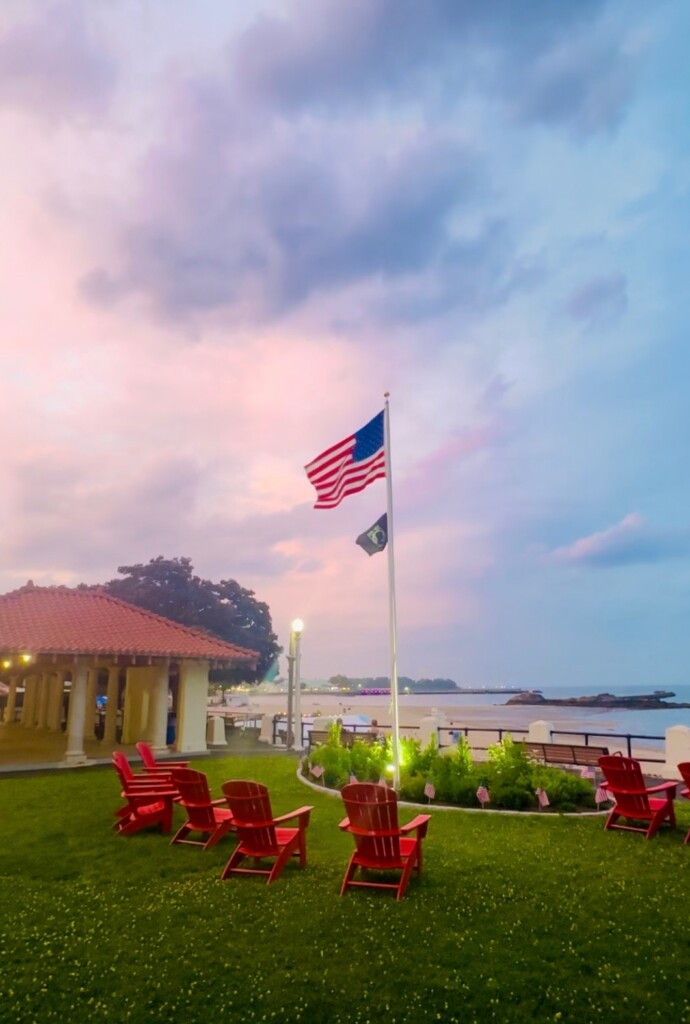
[489, 718]
[413, 707]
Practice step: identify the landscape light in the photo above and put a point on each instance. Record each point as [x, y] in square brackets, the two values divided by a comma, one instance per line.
[26, 658]
[7, 663]
[297, 626]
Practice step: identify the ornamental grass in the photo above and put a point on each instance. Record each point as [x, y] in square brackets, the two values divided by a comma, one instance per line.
[515, 918]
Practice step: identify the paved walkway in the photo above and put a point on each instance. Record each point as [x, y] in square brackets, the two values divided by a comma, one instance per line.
[32, 750]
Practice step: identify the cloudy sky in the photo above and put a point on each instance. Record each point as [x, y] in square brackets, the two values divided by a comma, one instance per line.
[228, 229]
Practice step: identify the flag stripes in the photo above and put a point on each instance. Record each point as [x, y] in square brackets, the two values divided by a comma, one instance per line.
[350, 465]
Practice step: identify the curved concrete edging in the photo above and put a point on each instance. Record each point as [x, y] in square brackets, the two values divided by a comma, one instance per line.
[544, 815]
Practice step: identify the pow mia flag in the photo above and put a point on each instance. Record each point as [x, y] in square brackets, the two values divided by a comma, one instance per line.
[376, 537]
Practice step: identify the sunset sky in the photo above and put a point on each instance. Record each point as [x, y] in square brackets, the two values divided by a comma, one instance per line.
[229, 228]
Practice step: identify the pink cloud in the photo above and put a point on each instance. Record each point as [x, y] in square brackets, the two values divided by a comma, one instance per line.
[629, 542]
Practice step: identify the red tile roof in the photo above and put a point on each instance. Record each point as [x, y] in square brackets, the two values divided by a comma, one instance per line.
[59, 620]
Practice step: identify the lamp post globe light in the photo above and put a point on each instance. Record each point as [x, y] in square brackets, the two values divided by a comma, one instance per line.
[294, 733]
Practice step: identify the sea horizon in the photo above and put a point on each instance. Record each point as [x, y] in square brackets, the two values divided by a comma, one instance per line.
[597, 720]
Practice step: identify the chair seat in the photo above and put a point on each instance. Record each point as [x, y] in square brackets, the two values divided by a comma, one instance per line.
[407, 849]
[154, 808]
[283, 837]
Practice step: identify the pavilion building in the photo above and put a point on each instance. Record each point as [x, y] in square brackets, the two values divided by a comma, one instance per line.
[60, 646]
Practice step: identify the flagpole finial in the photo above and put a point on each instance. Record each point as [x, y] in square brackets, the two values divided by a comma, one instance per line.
[386, 394]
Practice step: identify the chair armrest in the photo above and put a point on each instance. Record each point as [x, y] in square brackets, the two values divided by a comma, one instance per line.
[669, 786]
[220, 802]
[344, 824]
[421, 822]
[165, 766]
[146, 795]
[140, 783]
[301, 812]
[664, 786]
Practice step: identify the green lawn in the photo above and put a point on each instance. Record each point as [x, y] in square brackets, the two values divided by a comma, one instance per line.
[514, 919]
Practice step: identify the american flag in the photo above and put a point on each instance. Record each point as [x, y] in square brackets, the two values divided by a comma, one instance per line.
[542, 798]
[587, 773]
[483, 795]
[602, 795]
[349, 466]
[317, 770]
[430, 790]
[353, 778]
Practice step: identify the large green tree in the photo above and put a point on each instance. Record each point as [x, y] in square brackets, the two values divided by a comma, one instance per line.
[169, 587]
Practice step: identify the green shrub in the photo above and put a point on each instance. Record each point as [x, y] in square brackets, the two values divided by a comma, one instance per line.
[565, 790]
[509, 775]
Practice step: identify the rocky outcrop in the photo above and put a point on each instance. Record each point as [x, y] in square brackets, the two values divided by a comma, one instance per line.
[645, 701]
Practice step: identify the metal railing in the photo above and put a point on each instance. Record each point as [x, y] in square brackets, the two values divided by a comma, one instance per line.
[521, 734]
[279, 732]
[454, 732]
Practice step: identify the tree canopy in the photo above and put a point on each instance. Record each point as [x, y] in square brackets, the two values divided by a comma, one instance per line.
[226, 610]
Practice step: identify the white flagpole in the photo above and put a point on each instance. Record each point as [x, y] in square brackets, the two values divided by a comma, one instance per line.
[391, 597]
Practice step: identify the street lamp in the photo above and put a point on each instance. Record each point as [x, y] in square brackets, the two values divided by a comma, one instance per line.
[294, 736]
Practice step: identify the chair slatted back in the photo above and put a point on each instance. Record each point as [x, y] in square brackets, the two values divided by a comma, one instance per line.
[684, 769]
[624, 774]
[146, 754]
[195, 797]
[373, 809]
[123, 768]
[251, 811]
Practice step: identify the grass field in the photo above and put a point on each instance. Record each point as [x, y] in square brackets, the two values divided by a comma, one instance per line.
[514, 919]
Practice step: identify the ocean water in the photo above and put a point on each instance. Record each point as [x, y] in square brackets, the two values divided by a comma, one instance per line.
[619, 720]
[596, 721]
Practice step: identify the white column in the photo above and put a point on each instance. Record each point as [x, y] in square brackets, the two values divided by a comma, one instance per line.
[90, 716]
[677, 749]
[540, 731]
[55, 698]
[77, 715]
[110, 731]
[191, 707]
[43, 695]
[158, 706]
[11, 700]
[136, 703]
[429, 726]
[29, 705]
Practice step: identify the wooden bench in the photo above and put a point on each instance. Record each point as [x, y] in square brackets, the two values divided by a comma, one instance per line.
[566, 753]
[347, 737]
[317, 736]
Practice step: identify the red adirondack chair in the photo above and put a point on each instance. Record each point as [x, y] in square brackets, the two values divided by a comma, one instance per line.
[203, 814]
[144, 781]
[380, 844]
[145, 809]
[258, 834]
[150, 763]
[141, 792]
[635, 801]
[684, 769]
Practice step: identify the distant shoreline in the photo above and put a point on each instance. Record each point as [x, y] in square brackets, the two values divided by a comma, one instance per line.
[413, 693]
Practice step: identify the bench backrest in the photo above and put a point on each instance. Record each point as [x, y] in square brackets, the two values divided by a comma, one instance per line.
[567, 753]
